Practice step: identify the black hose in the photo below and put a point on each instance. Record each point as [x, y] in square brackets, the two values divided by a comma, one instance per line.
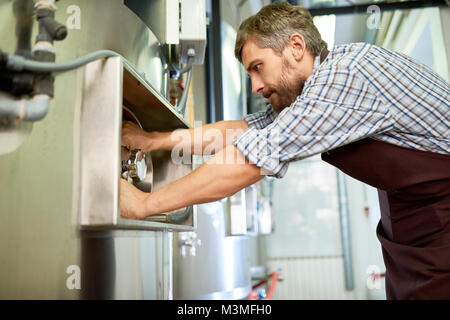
[3, 59]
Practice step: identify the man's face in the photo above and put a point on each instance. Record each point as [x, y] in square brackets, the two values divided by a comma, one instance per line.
[272, 75]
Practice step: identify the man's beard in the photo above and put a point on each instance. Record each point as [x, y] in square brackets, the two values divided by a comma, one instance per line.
[286, 91]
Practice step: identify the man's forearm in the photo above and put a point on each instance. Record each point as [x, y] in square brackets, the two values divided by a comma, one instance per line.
[221, 176]
[204, 140]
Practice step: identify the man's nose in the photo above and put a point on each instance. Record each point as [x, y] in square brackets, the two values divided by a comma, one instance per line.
[257, 85]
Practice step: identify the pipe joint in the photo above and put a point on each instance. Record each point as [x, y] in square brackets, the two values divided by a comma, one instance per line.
[33, 109]
[49, 28]
[36, 108]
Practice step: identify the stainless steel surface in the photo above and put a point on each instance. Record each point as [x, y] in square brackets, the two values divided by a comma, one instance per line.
[344, 224]
[221, 262]
[99, 181]
[176, 22]
[240, 212]
[40, 238]
[137, 168]
[188, 241]
[232, 76]
[108, 86]
[251, 210]
[134, 170]
[161, 16]
[126, 265]
[264, 206]
[153, 111]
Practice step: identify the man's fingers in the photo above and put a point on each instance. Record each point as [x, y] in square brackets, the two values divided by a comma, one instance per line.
[140, 155]
[128, 140]
[131, 136]
[129, 124]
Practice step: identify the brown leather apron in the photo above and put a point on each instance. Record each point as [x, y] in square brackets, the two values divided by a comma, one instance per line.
[414, 231]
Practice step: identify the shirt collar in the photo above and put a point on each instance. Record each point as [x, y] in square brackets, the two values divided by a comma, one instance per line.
[315, 67]
[316, 63]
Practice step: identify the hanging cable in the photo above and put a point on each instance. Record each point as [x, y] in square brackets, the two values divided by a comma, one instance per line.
[183, 100]
[19, 63]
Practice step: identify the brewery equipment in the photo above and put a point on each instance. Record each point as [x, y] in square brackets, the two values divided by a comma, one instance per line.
[62, 236]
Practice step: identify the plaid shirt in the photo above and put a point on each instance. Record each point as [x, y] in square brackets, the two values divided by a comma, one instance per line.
[358, 91]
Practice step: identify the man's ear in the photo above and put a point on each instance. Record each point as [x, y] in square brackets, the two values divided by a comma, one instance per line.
[298, 46]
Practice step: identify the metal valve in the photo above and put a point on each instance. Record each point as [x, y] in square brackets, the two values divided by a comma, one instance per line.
[133, 168]
[189, 240]
[137, 166]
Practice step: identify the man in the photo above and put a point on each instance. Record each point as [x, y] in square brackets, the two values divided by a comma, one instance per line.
[377, 115]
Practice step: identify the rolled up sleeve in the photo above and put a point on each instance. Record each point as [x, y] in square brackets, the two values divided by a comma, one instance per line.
[336, 108]
[261, 148]
[262, 119]
[309, 127]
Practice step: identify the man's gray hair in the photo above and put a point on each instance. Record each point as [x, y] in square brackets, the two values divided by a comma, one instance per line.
[273, 26]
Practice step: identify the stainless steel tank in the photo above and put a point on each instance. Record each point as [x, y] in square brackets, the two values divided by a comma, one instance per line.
[209, 263]
[61, 235]
[218, 251]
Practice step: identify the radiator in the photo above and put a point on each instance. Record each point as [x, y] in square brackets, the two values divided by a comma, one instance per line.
[310, 277]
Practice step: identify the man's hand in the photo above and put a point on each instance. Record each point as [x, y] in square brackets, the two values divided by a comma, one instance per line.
[131, 201]
[133, 137]
[196, 140]
[221, 176]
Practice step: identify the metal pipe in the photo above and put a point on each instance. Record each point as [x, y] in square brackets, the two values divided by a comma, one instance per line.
[187, 68]
[344, 220]
[214, 64]
[184, 95]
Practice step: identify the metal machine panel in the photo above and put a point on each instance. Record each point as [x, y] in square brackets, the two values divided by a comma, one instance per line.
[43, 252]
[108, 86]
[126, 265]
[160, 15]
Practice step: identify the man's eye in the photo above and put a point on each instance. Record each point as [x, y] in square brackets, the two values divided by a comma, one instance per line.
[257, 67]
